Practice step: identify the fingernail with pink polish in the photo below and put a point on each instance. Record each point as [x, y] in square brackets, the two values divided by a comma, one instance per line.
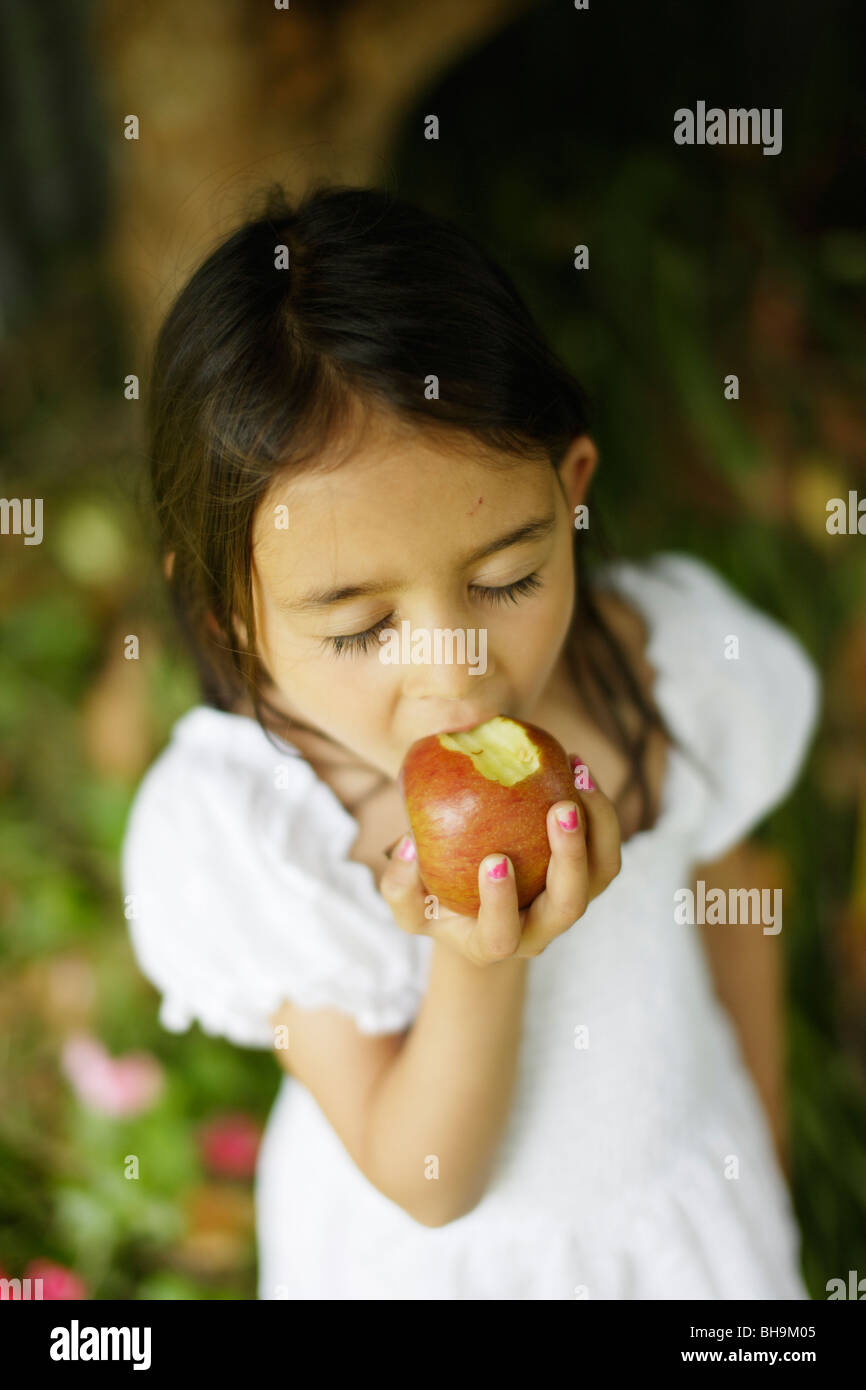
[499, 869]
[406, 850]
[567, 820]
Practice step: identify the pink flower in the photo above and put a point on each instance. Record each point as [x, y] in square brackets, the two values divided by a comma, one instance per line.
[110, 1085]
[229, 1145]
[57, 1282]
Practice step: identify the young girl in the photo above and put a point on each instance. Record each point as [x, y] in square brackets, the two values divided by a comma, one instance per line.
[354, 424]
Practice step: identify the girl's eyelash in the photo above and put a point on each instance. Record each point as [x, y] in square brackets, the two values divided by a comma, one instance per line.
[510, 593]
[357, 641]
[504, 593]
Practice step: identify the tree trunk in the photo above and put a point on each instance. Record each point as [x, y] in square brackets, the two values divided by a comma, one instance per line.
[230, 96]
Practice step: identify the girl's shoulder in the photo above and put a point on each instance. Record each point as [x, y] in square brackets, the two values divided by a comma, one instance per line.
[222, 784]
[736, 687]
[678, 599]
[223, 762]
[239, 893]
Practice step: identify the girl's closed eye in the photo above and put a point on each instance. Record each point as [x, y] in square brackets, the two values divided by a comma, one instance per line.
[503, 593]
[510, 593]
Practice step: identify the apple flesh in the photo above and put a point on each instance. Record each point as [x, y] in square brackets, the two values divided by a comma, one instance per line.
[483, 791]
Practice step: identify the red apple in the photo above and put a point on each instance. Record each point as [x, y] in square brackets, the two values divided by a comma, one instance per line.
[481, 791]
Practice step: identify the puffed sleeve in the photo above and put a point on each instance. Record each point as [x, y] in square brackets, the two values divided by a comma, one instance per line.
[737, 689]
[239, 895]
[755, 694]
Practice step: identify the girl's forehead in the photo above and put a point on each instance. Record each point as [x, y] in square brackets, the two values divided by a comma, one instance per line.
[413, 479]
[399, 461]
[416, 499]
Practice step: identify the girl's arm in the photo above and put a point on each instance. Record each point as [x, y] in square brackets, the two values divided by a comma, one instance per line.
[420, 1113]
[441, 1107]
[748, 972]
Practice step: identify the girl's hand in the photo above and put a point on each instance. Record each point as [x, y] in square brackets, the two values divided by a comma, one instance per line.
[583, 862]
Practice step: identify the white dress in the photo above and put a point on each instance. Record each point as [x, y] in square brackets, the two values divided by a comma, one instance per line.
[639, 1166]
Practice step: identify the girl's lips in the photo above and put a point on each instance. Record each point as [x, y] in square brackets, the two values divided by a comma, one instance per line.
[458, 727]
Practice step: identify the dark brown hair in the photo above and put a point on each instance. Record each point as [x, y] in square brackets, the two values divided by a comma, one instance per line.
[262, 362]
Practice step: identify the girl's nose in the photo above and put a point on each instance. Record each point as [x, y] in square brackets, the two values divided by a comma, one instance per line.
[445, 660]
[452, 684]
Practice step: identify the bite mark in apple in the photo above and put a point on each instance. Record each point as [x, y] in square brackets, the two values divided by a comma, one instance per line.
[500, 750]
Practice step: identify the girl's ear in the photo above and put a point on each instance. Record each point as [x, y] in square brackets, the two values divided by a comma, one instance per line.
[577, 468]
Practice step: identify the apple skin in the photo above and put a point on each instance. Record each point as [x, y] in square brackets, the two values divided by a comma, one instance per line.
[458, 816]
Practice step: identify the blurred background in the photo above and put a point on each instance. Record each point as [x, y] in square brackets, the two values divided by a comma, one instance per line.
[556, 128]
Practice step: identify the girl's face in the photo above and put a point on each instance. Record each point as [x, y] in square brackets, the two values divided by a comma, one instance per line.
[405, 539]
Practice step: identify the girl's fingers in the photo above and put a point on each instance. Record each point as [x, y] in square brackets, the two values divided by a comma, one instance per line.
[567, 890]
[496, 933]
[405, 894]
[493, 935]
[585, 857]
[401, 887]
[603, 839]
[580, 867]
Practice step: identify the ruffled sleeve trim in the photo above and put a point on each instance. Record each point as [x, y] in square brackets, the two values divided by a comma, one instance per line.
[234, 857]
[744, 723]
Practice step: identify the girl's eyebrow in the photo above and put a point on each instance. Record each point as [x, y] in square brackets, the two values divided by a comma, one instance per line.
[325, 598]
